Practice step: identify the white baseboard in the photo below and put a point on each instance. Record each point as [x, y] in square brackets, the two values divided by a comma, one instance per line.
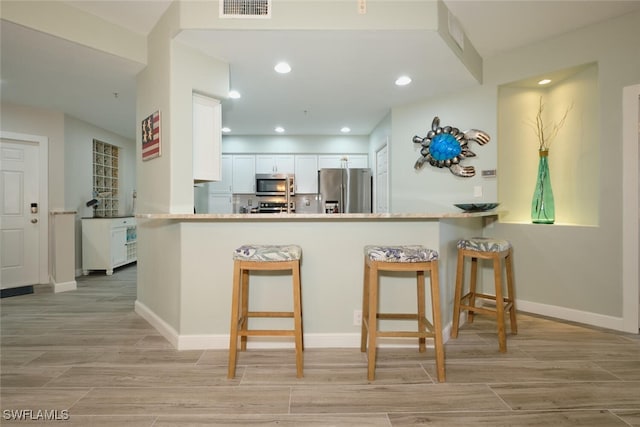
[161, 326]
[320, 340]
[221, 341]
[352, 340]
[63, 286]
[588, 318]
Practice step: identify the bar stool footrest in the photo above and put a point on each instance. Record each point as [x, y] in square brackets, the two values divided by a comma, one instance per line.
[266, 314]
[397, 316]
[267, 332]
[404, 334]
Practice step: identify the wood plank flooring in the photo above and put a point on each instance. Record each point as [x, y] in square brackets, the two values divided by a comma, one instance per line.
[89, 360]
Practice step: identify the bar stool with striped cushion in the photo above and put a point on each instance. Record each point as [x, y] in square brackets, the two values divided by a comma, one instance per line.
[264, 257]
[495, 250]
[414, 258]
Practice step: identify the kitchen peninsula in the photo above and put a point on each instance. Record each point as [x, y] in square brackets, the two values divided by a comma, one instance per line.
[196, 313]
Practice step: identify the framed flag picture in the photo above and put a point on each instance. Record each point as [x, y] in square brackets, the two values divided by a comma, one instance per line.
[151, 136]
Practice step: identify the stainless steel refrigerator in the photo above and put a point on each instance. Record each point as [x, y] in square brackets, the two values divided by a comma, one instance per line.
[344, 190]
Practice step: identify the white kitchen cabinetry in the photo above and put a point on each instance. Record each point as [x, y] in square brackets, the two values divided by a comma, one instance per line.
[306, 173]
[207, 136]
[343, 160]
[220, 203]
[225, 185]
[244, 174]
[358, 161]
[108, 243]
[270, 163]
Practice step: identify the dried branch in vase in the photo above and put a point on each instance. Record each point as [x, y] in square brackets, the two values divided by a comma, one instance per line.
[547, 134]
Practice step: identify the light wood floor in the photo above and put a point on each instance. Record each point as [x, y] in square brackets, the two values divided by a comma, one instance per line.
[88, 353]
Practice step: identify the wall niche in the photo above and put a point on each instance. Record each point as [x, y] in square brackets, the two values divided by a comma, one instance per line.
[573, 154]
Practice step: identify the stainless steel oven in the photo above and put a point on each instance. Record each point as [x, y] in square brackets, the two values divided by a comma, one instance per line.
[276, 206]
[274, 185]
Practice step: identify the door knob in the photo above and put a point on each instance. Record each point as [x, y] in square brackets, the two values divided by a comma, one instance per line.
[34, 220]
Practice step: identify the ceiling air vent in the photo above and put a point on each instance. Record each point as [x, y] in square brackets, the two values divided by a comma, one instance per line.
[245, 9]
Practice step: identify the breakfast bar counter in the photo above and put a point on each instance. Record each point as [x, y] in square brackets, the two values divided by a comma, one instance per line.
[185, 288]
[318, 216]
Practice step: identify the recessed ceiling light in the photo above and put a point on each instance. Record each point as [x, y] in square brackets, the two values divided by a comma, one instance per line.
[282, 68]
[403, 80]
[225, 129]
[234, 94]
[279, 129]
[544, 82]
[345, 129]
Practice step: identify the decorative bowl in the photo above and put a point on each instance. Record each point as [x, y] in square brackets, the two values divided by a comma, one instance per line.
[476, 207]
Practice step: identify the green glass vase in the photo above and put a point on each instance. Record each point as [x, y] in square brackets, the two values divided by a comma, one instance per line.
[543, 209]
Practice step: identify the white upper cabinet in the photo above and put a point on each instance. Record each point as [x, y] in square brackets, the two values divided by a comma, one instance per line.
[207, 147]
[275, 163]
[244, 173]
[343, 161]
[306, 173]
[358, 161]
[226, 181]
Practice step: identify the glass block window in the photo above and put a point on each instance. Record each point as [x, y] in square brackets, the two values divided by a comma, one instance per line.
[106, 159]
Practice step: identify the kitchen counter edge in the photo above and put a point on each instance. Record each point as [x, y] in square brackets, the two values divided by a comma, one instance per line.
[314, 216]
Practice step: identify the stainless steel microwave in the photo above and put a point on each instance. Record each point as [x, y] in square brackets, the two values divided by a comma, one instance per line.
[274, 184]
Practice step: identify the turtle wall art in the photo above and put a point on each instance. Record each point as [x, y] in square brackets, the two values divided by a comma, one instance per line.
[446, 147]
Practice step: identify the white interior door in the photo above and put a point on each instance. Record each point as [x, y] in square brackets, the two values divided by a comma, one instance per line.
[20, 225]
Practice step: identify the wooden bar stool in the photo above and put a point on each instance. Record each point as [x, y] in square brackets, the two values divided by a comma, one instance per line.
[495, 250]
[413, 258]
[263, 257]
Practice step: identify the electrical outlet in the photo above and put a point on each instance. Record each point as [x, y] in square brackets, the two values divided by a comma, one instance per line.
[362, 7]
[477, 191]
[357, 317]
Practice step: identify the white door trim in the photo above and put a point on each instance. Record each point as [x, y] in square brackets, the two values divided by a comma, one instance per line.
[43, 202]
[630, 208]
[385, 145]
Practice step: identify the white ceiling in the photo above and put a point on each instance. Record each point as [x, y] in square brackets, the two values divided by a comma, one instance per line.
[338, 78]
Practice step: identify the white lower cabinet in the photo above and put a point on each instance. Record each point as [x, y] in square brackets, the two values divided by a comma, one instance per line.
[220, 203]
[108, 243]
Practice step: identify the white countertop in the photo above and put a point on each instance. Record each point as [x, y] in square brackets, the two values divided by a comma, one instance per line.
[306, 216]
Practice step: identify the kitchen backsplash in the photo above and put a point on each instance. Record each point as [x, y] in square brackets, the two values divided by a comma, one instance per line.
[305, 203]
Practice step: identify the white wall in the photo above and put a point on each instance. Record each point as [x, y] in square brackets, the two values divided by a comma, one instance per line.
[71, 159]
[432, 188]
[576, 272]
[165, 184]
[296, 144]
[78, 171]
[571, 272]
[36, 121]
[554, 271]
